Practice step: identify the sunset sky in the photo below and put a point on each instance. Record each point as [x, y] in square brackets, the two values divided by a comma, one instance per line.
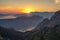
[36, 5]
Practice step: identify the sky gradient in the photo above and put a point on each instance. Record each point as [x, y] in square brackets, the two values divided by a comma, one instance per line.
[37, 5]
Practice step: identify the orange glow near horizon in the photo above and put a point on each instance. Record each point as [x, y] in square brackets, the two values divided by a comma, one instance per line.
[27, 6]
[18, 10]
[24, 10]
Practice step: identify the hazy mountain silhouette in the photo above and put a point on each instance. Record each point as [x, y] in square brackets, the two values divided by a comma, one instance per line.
[21, 22]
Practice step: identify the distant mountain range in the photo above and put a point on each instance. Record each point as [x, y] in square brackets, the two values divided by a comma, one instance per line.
[21, 23]
[43, 14]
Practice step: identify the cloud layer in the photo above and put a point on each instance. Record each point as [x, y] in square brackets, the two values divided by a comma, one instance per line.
[8, 17]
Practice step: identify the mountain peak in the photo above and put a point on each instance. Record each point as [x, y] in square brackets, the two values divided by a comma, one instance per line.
[56, 16]
[57, 12]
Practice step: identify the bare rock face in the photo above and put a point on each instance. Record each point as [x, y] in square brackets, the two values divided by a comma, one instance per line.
[55, 19]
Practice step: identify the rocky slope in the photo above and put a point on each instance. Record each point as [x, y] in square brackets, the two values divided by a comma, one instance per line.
[55, 20]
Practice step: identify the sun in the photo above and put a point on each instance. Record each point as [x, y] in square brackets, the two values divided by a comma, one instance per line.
[28, 10]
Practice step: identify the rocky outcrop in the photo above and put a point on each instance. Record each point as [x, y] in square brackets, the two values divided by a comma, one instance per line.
[49, 25]
[55, 20]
